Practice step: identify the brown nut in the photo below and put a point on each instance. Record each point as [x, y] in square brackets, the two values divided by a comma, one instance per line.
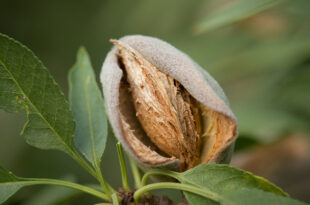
[163, 107]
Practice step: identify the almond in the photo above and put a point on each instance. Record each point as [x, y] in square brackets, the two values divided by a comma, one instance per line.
[166, 110]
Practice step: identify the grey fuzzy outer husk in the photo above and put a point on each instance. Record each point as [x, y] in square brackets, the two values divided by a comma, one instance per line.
[179, 66]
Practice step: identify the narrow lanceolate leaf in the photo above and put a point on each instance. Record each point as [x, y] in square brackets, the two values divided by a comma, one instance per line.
[232, 12]
[232, 186]
[88, 109]
[25, 84]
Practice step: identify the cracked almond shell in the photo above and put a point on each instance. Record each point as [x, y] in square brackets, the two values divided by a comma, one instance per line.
[165, 109]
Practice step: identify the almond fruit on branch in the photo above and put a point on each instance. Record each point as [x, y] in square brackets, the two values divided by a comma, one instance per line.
[164, 108]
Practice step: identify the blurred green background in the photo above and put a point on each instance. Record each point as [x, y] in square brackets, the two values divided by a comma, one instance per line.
[262, 61]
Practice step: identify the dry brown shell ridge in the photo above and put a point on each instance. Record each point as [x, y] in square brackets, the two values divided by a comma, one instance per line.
[163, 107]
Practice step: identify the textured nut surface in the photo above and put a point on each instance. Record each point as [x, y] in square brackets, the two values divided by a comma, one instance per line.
[165, 109]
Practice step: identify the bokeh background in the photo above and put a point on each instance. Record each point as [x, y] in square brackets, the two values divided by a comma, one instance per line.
[260, 56]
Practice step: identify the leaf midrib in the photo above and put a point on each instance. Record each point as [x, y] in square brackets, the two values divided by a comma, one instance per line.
[90, 120]
[29, 100]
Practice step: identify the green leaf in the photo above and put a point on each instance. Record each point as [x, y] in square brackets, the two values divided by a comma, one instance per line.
[222, 179]
[25, 84]
[232, 12]
[245, 196]
[10, 184]
[88, 109]
[214, 184]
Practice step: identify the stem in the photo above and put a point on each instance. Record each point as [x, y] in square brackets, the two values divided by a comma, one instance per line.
[69, 185]
[105, 186]
[172, 185]
[115, 199]
[84, 163]
[94, 172]
[159, 172]
[123, 166]
[136, 173]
